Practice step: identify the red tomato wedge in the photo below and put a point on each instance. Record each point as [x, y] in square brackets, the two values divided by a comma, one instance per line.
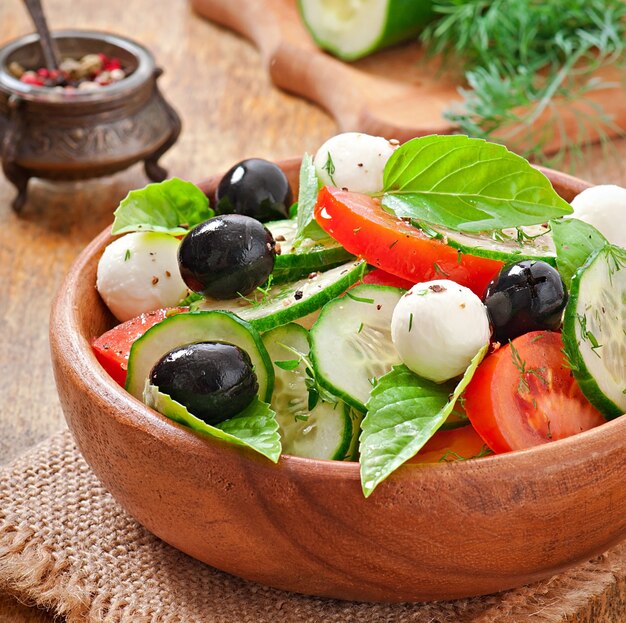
[360, 224]
[524, 395]
[446, 446]
[113, 347]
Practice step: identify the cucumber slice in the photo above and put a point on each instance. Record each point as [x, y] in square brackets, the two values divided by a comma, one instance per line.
[308, 256]
[537, 244]
[329, 430]
[351, 29]
[188, 328]
[594, 330]
[351, 343]
[281, 304]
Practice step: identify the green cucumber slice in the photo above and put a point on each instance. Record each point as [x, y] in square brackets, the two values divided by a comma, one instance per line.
[187, 328]
[281, 304]
[537, 244]
[351, 29]
[594, 330]
[351, 343]
[306, 257]
[329, 430]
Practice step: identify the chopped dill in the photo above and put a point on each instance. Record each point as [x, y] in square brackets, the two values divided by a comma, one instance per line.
[525, 63]
[451, 455]
[359, 299]
[329, 167]
[525, 370]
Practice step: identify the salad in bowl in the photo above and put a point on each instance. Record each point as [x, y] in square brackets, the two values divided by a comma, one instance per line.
[430, 321]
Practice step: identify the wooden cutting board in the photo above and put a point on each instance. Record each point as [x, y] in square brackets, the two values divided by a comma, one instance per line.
[394, 93]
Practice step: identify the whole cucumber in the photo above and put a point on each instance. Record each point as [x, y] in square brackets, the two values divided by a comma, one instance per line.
[351, 30]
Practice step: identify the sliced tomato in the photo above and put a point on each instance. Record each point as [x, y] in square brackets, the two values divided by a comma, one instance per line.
[360, 224]
[382, 278]
[524, 395]
[113, 347]
[452, 445]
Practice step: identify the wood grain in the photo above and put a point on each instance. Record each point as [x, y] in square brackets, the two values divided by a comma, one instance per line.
[230, 110]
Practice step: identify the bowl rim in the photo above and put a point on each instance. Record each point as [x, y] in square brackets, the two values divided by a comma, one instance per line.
[73, 347]
[145, 69]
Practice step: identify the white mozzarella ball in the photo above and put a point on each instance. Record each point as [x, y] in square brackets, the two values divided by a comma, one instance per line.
[437, 327]
[138, 273]
[604, 207]
[354, 161]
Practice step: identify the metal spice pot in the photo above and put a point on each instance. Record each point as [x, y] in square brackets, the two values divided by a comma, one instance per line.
[59, 135]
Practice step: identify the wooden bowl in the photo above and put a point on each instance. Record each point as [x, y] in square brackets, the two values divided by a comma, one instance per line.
[429, 532]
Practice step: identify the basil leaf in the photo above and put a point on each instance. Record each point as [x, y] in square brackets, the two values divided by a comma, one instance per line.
[467, 184]
[404, 412]
[575, 241]
[172, 207]
[307, 198]
[255, 427]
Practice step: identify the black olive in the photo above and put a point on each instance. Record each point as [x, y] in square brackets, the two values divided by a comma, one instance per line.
[525, 296]
[256, 188]
[214, 380]
[227, 256]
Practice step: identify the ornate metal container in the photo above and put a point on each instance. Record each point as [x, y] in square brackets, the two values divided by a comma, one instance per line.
[70, 136]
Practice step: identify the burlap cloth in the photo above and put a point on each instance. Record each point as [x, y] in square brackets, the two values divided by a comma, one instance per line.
[66, 545]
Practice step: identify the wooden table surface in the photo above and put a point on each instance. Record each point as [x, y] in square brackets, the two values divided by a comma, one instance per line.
[230, 111]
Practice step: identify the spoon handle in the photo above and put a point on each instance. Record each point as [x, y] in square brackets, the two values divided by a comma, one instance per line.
[48, 44]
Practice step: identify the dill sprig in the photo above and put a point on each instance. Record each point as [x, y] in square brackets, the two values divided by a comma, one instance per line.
[526, 63]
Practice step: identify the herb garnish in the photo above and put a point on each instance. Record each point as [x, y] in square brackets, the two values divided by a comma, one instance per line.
[287, 364]
[525, 370]
[307, 226]
[404, 411]
[586, 334]
[329, 167]
[525, 62]
[467, 185]
[315, 391]
[451, 455]
[439, 270]
[264, 293]
[173, 207]
[255, 427]
[359, 299]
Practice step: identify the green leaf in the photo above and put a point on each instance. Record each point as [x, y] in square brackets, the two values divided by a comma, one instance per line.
[404, 412]
[172, 207]
[192, 297]
[307, 198]
[575, 241]
[468, 185]
[255, 427]
[288, 364]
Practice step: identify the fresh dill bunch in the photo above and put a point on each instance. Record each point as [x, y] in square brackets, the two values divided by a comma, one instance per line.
[525, 63]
